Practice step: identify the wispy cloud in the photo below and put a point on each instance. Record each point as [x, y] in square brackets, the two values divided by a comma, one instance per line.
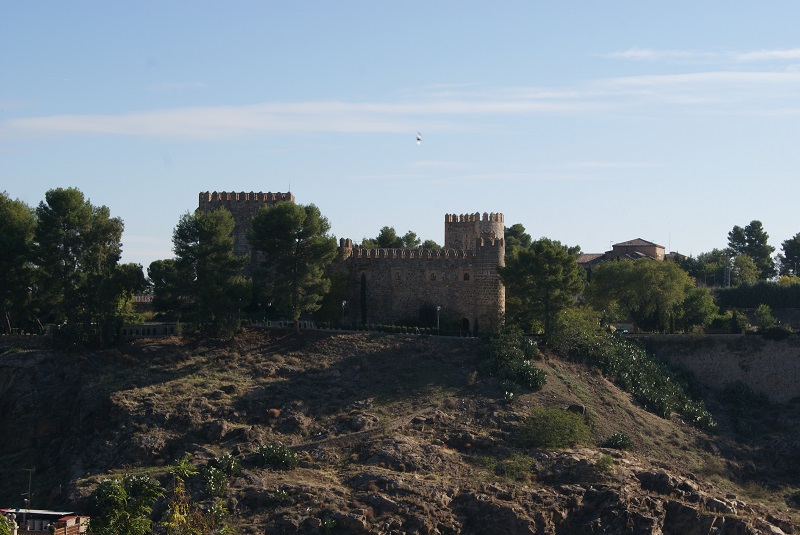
[649, 54]
[606, 165]
[463, 108]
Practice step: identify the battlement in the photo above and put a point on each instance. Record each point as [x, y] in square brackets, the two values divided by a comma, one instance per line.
[346, 249]
[474, 218]
[225, 197]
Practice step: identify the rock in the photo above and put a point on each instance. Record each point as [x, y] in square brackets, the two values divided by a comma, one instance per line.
[577, 408]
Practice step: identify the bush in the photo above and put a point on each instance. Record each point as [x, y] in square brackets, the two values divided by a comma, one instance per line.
[507, 355]
[553, 428]
[277, 456]
[660, 389]
[605, 464]
[618, 441]
[777, 332]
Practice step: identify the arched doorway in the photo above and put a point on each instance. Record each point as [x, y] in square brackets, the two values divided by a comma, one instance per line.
[465, 327]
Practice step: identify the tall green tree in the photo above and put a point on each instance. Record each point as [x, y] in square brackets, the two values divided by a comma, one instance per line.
[77, 249]
[790, 259]
[123, 506]
[540, 280]
[296, 248]
[17, 227]
[163, 275]
[752, 241]
[209, 274]
[650, 292]
[516, 238]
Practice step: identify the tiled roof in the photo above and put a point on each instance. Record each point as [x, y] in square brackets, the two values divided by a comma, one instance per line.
[585, 258]
[637, 243]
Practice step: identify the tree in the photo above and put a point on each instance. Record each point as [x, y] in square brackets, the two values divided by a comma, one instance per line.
[77, 247]
[764, 317]
[208, 273]
[791, 255]
[698, 308]
[647, 290]
[387, 238]
[743, 270]
[123, 506]
[540, 281]
[430, 244]
[752, 241]
[516, 238]
[163, 275]
[296, 249]
[17, 227]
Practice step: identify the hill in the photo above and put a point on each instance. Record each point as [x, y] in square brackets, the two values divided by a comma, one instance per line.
[393, 434]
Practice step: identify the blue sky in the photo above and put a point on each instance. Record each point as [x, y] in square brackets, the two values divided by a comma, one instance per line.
[588, 122]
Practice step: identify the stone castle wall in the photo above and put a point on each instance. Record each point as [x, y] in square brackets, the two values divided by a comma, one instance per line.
[397, 284]
[391, 285]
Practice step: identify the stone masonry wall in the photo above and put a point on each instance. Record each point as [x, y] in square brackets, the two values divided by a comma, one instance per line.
[768, 366]
[399, 282]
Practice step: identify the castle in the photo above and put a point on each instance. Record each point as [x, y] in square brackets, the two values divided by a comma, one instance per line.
[457, 284]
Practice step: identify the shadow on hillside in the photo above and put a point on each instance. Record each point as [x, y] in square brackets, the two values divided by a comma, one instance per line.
[402, 369]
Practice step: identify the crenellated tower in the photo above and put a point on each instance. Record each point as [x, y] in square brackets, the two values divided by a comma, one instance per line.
[463, 231]
[244, 207]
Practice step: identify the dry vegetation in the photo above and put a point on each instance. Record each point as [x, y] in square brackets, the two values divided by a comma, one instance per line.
[393, 433]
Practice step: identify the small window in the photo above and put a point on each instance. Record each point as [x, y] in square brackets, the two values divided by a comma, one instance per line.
[433, 276]
[397, 275]
[466, 276]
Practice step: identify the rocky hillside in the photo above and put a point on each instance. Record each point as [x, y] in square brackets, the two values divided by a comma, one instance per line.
[393, 434]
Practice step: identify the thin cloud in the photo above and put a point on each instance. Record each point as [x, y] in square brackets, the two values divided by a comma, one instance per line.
[650, 54]
[751, 91]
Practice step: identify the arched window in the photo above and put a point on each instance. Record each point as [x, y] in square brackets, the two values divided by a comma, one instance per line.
[466, 276]
[433, 276]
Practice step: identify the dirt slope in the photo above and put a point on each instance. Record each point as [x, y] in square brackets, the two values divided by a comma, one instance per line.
[395, 434]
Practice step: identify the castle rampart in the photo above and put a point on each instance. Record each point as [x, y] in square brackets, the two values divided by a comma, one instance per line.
[390, 285]
[393, 285]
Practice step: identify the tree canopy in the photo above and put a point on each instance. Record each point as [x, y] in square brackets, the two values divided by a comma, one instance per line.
[541, 280]
[752, 241]
[207, 272]
[650, 292]
[387, 238]
[791, 255]
[295, 249]
[17, 227]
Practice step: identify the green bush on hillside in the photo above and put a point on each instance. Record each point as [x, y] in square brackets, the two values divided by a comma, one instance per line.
[553, 428]
[660, 389]
[507, 355]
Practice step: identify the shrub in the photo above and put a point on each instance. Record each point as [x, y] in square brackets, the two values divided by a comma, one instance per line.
[553, 428]
[618, 441]
[507, 355]
[659, 388]
[277, 456]
[605, 464]
[228, 464]
[777, 332]
[215, 480]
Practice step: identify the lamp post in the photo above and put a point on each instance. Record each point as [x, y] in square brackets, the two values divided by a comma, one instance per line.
[438, 309]
[344, 304]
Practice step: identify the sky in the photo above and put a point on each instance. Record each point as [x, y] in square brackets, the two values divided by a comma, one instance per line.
[587, 122]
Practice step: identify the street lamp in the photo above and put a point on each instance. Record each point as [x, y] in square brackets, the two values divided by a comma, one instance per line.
[438, 309]
[344, 304]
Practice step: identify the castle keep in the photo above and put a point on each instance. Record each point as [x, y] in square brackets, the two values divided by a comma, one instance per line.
[386, 286]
